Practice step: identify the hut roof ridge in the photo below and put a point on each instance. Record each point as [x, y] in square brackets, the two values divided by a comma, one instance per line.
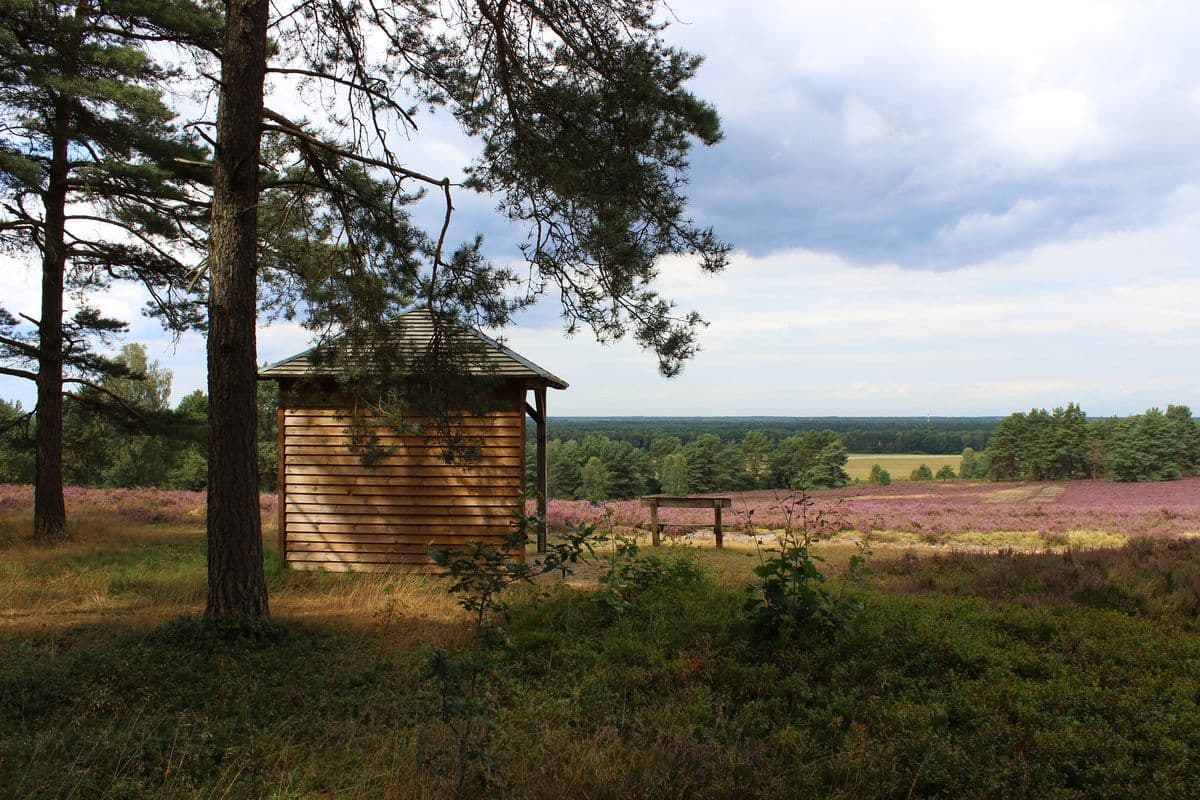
[413, 325]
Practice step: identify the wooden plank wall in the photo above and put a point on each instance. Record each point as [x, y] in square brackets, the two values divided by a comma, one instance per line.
[341, 516]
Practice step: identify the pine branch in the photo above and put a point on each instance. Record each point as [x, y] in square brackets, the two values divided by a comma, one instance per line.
[286, 126]
[18, 373]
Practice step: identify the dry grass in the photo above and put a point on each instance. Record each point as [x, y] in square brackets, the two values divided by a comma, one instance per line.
[899, 466]
[925, 696]
[141, 576]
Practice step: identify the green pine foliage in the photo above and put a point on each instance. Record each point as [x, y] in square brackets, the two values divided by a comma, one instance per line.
[78, 76]
[709, 466]
[921, 473]
[973, 465]
[595, 481]
[97, 184]
[756, 459]
[828, 470]
[1064, 444]
[1146, 448]
[879, 476]
[674, 477]
[16, 443]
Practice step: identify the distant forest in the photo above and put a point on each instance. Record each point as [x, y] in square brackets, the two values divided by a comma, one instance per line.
[918, 435]
[149, 443]
[597, 458]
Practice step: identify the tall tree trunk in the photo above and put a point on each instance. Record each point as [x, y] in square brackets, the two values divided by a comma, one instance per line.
[49, 511]
[235, 568]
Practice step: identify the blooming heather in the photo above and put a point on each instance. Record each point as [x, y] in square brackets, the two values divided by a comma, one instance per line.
[936, 509]
[147, 506]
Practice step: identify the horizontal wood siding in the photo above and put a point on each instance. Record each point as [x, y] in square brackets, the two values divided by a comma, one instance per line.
[339, 515]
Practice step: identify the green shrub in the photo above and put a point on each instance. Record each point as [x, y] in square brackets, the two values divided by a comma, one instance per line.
[791, 598]
[631, 575]
[921, 473]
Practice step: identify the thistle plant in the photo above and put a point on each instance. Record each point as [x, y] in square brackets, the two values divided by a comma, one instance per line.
[792, 597]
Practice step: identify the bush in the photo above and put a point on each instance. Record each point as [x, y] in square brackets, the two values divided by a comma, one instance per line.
[631, 576]
[921, 473]
[791, 599]
[946, 473]
[879, 476]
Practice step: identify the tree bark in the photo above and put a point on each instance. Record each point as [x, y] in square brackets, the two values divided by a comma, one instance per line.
[49, 511]
[236, 584]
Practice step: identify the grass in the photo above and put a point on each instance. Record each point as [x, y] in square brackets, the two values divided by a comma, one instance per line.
[858, 465]
[1070, 675]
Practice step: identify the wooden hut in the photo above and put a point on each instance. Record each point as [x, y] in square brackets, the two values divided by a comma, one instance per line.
[335, 513]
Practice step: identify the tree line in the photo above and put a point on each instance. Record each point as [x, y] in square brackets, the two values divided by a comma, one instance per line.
[147, 444]
[151, 444]
[597, 467]
[619, 459]
[923, 435]
[1062, 444]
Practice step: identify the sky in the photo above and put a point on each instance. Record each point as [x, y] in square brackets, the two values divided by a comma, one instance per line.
[946, 208]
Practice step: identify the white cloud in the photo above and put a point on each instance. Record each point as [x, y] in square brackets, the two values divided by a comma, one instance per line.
[1106, 321]
[1041, 155]
[1042, 130]
[861, 124]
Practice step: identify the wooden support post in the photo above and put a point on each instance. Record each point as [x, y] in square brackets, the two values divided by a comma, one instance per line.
[539, 395]
[717, 504]
[281, 487]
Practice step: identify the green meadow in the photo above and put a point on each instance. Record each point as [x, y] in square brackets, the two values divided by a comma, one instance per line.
[1072, 675]
[858, 465]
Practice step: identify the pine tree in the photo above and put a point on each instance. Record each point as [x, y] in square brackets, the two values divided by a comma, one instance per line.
[1004, 448]
[1187, 434]
[674, 478]
[594, 480]
[564, 463]
[95, 182]
[797, 454]
[921, 473]
[705, 464]
[828, 470]
[585, 125]
[968, 465]
[756, 458]
[1145, 448]
[879, 476]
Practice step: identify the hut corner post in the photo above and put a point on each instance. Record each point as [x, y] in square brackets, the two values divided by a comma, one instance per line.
[539, 395]
[281, 485]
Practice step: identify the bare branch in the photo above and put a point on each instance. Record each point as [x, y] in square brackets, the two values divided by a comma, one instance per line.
[18, 373]
[133, 412]
[285, 125]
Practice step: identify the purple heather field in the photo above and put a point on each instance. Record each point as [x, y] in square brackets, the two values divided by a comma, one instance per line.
[151, 506]
[937, 508]
[925, 508]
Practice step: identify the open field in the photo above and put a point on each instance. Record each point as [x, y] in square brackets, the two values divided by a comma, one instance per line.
[1072, 675]
[1026, 516]
[859, 465]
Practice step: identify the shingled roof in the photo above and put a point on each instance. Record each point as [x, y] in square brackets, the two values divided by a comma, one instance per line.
[414, 329]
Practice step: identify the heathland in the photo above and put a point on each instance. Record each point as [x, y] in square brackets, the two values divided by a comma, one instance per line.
[996, 651]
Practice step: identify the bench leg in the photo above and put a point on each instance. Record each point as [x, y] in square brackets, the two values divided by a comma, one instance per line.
[717, 529]
[654, 525]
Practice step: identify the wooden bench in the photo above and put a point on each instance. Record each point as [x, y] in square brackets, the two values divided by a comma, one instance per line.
[657, 501]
